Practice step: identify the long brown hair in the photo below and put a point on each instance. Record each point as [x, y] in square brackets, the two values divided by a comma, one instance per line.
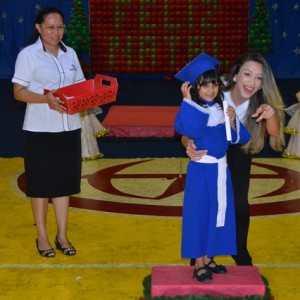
[268, 94]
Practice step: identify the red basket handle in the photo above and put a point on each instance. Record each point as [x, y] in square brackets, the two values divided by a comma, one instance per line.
[99, 78]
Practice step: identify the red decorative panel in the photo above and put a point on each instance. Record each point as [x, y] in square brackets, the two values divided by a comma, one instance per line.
[161, 36]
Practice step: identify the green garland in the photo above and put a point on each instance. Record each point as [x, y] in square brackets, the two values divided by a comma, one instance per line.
[147, 294]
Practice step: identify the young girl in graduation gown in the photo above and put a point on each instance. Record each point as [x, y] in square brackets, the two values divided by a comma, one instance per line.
[208, 219]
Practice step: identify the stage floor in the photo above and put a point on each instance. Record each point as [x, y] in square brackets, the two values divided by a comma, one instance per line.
[127, 220]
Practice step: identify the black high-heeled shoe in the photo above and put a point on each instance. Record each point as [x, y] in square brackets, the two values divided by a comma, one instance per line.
[45, 253]
[70, 251]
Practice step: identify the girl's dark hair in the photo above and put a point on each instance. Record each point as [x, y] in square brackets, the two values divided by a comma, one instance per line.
[210, 76]
[40, 18]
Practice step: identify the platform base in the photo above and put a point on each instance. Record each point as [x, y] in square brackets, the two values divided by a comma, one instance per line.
[239, 281]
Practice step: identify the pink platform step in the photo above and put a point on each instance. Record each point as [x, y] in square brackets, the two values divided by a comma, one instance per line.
[239, 281]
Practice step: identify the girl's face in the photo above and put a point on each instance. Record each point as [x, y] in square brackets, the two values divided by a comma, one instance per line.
[208, 91]
[248, 80]
[51, 30]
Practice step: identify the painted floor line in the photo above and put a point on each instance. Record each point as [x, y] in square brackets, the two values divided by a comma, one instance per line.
[100, 266]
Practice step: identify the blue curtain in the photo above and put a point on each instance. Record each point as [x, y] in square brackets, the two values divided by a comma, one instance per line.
[285, 24]
[16, 25]
[285, 29]
[17, 17]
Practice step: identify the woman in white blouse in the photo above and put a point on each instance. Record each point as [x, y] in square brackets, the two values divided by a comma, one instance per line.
[52, 154]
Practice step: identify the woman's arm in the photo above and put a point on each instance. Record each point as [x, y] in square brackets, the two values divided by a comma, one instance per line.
[273, 126]
[191, 151]
[21, 93]
[266, 112]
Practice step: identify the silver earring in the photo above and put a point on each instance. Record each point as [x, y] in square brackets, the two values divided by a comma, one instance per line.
[234, 79]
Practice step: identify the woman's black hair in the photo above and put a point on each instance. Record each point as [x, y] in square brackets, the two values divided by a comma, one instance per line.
[40, 18]
[210, 76]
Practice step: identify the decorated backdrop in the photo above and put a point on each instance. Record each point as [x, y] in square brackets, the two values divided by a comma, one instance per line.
[161, 36]
[158, 37]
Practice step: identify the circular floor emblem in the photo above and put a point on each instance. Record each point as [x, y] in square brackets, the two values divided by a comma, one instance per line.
[103, 179]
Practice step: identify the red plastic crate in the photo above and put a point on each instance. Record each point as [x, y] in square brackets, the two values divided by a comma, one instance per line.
[88, 94]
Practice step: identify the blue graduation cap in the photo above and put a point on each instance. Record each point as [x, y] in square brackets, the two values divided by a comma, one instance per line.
[202, 63]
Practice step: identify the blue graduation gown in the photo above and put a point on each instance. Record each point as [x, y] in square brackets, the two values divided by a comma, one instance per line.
[200, 234]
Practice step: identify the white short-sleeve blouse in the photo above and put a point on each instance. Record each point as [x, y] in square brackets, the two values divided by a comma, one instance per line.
[38, 69]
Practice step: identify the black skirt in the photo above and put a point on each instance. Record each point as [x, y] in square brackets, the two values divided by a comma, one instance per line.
[52, 163]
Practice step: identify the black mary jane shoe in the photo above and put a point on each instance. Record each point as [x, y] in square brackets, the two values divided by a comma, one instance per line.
[45, 253]
[218, 269]
[204, 277]
[70, 251]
